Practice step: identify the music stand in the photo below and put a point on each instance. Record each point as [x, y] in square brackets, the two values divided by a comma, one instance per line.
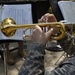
[4, 52]
[2, 41]
[36, 14]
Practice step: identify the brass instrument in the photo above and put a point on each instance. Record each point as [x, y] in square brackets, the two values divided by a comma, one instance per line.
[9, 27]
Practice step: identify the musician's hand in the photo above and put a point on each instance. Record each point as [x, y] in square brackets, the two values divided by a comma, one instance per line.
[38, 36]
[47, 18]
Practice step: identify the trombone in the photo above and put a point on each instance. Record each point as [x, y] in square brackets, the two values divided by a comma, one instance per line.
[9, 27]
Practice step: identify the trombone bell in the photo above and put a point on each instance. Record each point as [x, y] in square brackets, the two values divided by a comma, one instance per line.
[9, 28]
[7, 31]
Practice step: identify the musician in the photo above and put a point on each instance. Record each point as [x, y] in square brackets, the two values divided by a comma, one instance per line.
[34, 63]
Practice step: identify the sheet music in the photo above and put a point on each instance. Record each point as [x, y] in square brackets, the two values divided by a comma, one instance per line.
[21, 14]
[68, 10]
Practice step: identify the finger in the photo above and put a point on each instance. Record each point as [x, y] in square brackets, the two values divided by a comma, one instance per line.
[38, 28]
[39, 20]
[49, 33]
[47, 14]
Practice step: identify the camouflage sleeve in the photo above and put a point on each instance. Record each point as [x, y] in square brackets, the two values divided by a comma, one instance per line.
[34, 63]
[65, 68]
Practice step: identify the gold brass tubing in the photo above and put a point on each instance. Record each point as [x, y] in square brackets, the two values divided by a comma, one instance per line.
[15, 26]
[8, 27]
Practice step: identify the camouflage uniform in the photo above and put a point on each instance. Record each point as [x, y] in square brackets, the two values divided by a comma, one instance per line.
[34, 63]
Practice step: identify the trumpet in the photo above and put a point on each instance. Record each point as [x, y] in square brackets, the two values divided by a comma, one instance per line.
[9, 27]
